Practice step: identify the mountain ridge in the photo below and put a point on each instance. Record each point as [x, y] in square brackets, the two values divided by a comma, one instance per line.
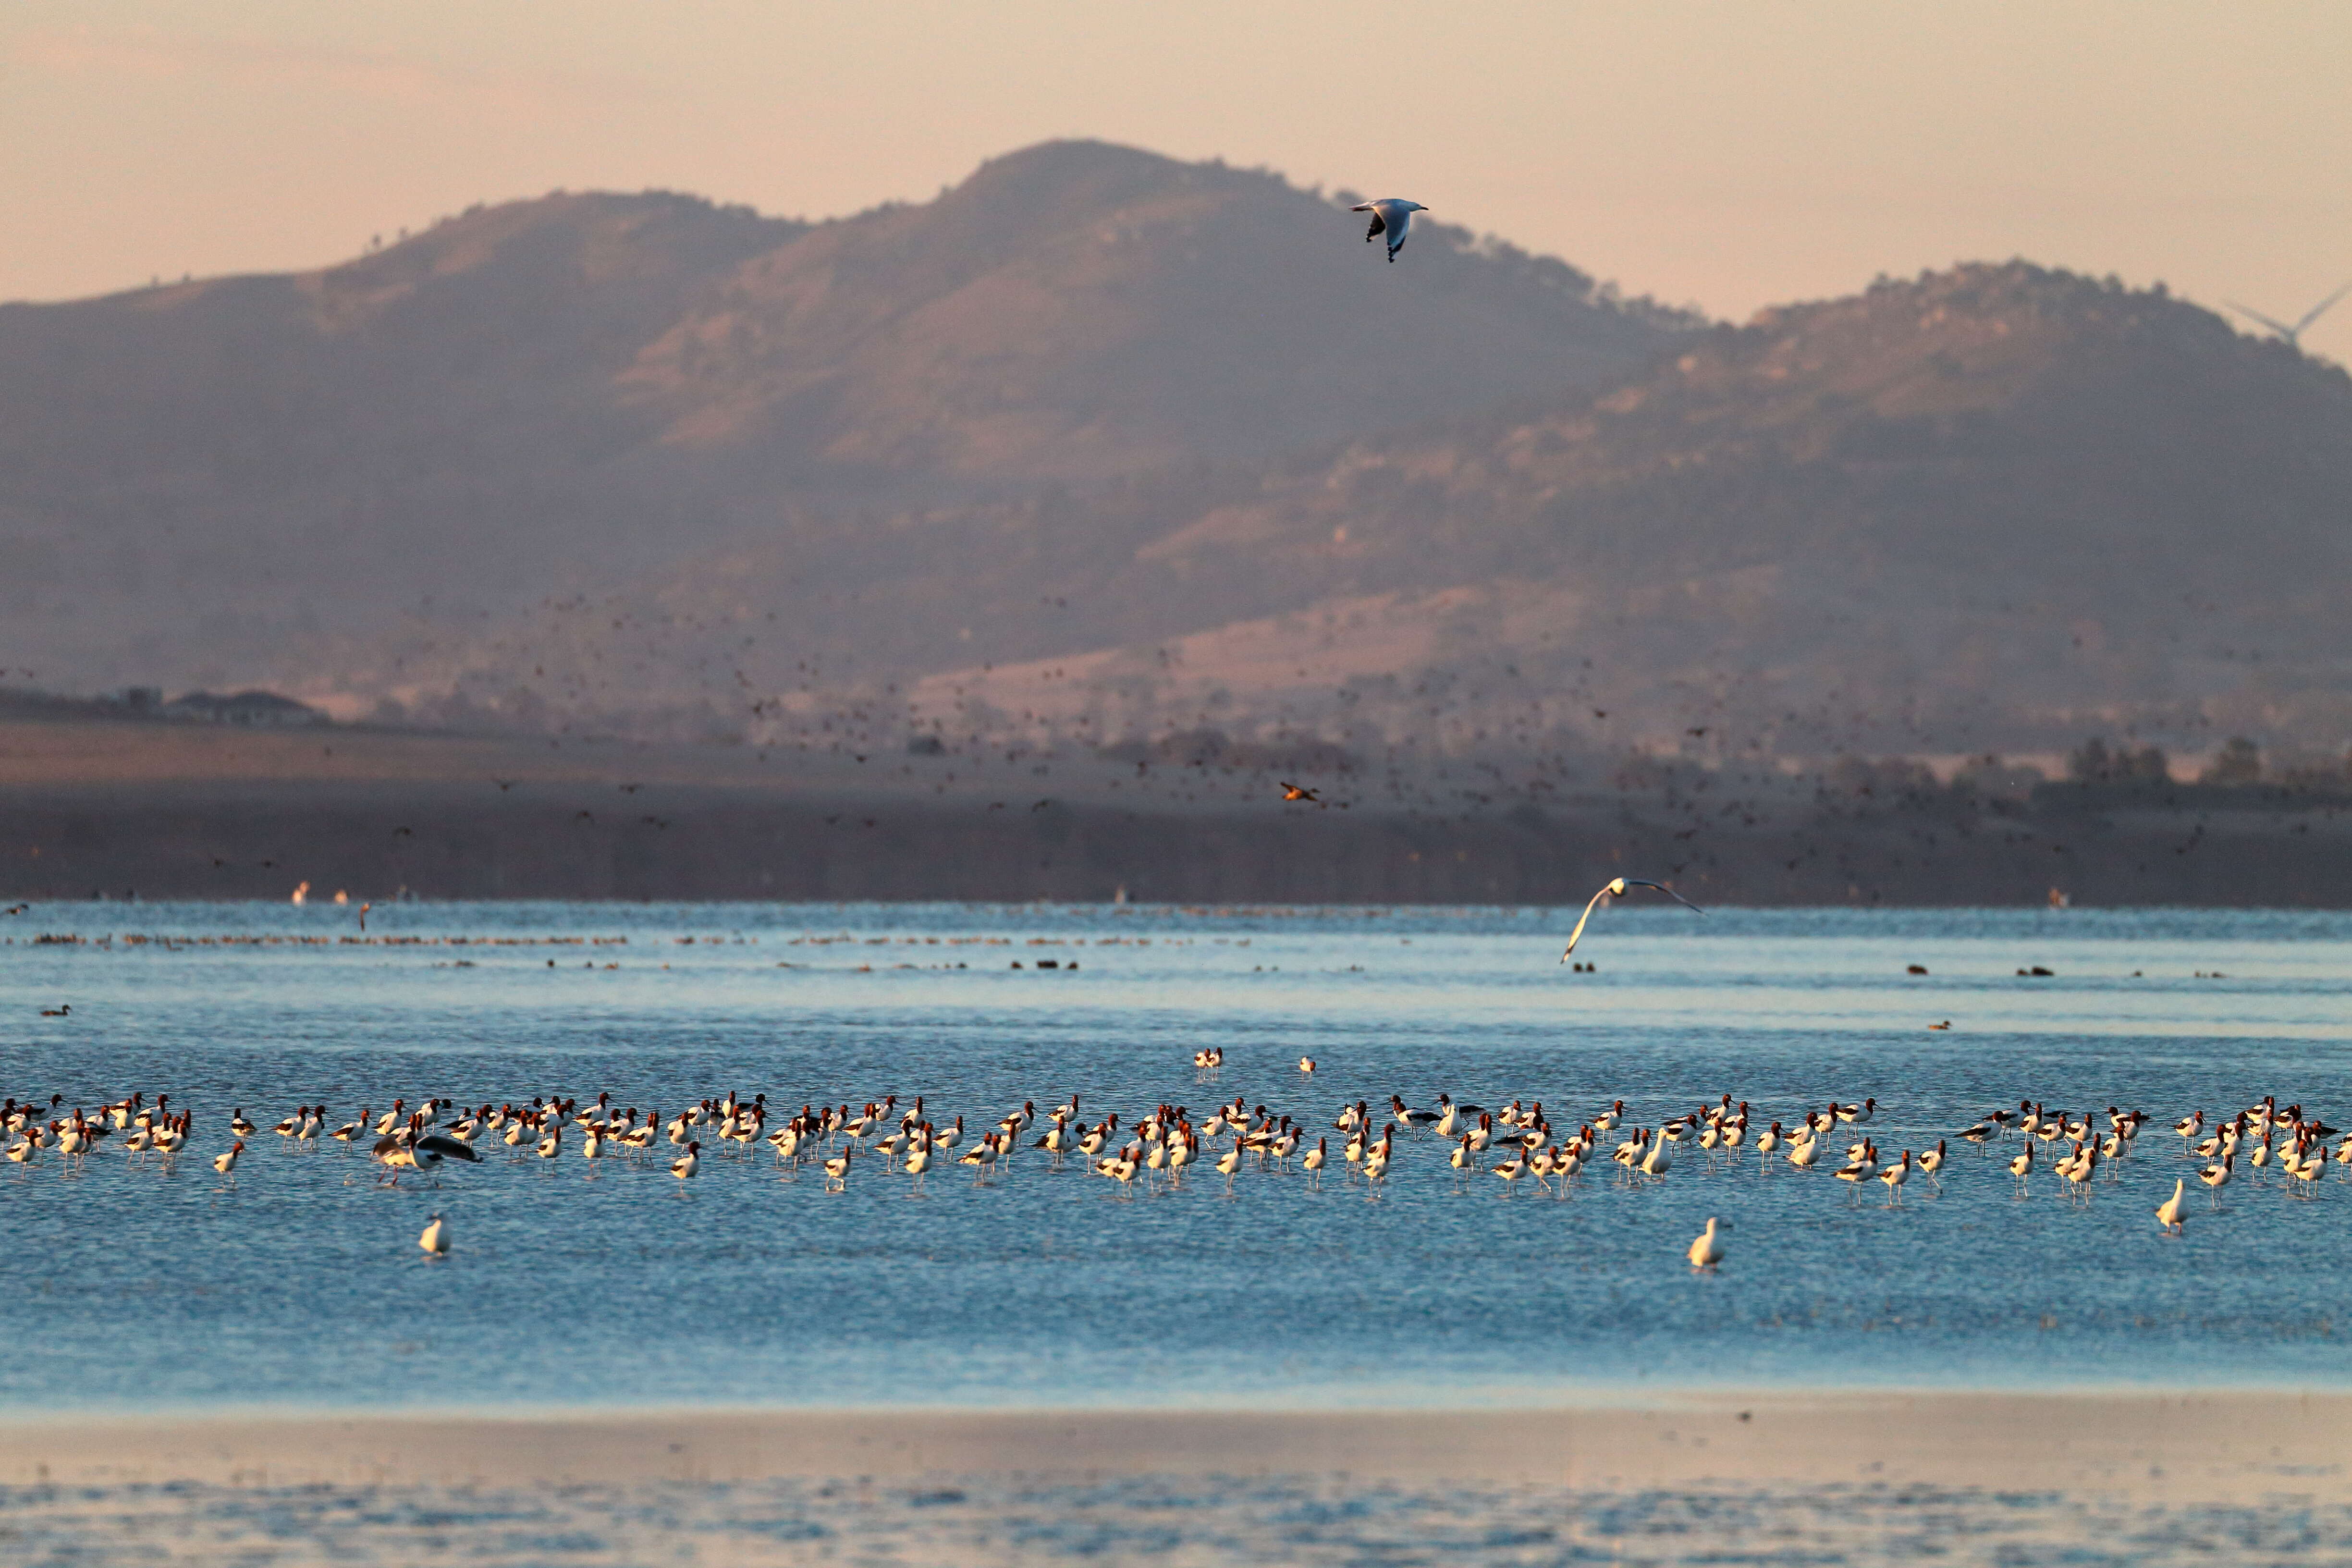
[1993, 506]
[1098, 444]
[238, 478]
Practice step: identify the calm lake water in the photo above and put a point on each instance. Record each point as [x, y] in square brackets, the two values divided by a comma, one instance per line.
[603, 1283]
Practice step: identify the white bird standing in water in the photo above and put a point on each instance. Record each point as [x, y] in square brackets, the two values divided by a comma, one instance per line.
[2167, 1213]
[1706, 1251]
[1616, 890]
[1392, 216]
[435, 1239]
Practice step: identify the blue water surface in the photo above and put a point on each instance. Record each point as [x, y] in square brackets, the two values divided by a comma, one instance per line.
[578, 1284]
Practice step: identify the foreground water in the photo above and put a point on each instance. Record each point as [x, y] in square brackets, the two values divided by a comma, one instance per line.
[575, 1283]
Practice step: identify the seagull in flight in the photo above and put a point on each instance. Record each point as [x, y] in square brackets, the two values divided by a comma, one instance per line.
[1392, 216]
[1616, 888]
[1299, 791]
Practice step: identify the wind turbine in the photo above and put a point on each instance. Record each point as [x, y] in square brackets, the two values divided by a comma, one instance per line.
[2293, 336]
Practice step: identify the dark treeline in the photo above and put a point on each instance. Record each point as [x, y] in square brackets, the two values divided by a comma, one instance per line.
[2094, 844]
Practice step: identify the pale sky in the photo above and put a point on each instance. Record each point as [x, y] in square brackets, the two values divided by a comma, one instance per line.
[1718, 154]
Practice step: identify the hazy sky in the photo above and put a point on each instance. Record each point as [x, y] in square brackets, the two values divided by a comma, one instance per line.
[1725, 156]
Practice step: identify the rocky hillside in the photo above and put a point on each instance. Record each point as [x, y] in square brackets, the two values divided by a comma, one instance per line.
[1996, 506]
[1099, 447]
[320, 476]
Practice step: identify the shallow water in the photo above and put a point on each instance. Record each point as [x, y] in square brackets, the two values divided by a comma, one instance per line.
[578, 1284]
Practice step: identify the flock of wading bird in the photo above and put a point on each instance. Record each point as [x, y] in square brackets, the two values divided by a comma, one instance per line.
[1513, 1144]
[1162, 1146]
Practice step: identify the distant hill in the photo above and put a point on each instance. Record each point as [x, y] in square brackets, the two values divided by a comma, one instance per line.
[198, 480]
[1995, 507]
[326, 477]
[1100, 448]
[1080, 310]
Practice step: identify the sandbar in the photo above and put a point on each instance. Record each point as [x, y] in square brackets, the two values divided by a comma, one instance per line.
[2226, 1446]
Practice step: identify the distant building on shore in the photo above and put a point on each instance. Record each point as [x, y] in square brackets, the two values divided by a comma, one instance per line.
[256, 710]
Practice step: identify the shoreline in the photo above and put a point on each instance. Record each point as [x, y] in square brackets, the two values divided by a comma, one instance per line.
[2221, 1446]
[169, 812]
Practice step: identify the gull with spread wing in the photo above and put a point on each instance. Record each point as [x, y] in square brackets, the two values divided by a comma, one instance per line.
[1616, 888]
[1392, 216]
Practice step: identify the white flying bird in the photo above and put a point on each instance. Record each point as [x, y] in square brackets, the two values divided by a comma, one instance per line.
[1616, 888]
[1392, 216]
[2291, 334]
